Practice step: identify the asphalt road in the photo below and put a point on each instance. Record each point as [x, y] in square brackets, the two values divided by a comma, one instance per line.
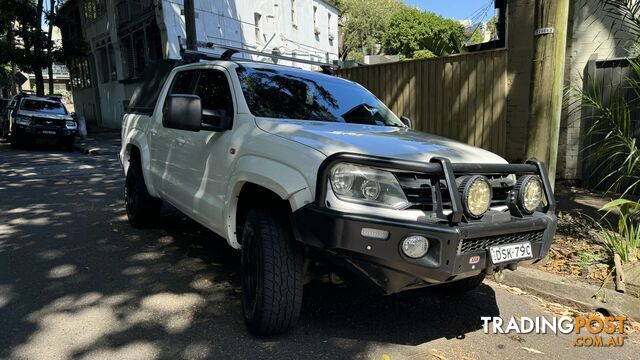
[76, 281]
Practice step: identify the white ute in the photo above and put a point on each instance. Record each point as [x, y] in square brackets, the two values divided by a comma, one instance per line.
[289, 165]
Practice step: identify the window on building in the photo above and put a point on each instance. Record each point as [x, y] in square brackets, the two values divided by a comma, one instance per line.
[257, 21]
[93, 9]
[330, 34]
[79, 73]
[294, 18]
[315, 16]
[138, 48]
[215, 96]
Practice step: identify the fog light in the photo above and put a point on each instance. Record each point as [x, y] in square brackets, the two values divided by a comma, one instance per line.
[415, 246]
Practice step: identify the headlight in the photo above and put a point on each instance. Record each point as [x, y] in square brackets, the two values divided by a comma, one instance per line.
[476, 196]
[71, 124]
[362, 184]
[23, 120]
[530, 193]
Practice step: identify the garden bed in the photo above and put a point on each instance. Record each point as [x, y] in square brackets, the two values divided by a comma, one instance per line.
[576, 251]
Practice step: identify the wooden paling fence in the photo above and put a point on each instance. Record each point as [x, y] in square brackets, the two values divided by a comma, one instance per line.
[462, 97]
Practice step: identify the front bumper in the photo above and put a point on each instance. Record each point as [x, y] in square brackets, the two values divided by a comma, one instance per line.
[38, 131]
[458, 248]
[337, 238]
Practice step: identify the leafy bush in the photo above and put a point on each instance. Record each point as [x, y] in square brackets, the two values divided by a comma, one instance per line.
[623, 239]
[615, 148]
[423, 54]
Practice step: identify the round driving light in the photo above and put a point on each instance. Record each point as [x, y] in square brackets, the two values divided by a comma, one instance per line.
[342, 176]
[370, 189]
[530, 193]
[415, 246]
[476, 196]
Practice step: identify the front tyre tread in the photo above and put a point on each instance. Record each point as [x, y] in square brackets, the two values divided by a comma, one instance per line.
[277, 298]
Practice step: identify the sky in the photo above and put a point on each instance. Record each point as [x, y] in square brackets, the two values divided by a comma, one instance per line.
[457, 9]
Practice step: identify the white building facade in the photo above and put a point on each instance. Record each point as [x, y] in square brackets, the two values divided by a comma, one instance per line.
[123, 36]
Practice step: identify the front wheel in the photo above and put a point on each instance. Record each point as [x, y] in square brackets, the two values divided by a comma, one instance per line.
[272, 273]
[142, 208]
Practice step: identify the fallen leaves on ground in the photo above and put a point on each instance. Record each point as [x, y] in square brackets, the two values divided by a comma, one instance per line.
[575, 251]
[532, 350]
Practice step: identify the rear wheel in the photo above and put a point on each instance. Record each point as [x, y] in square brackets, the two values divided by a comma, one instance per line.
[142, 208]
[464, 285]
[272, 273]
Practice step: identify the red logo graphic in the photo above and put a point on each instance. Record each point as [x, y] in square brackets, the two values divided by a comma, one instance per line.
[474, 260]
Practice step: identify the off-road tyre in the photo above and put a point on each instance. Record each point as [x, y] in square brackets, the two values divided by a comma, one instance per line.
[272, 273]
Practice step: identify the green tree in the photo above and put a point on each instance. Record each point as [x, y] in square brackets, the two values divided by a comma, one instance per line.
[22, 41]
[411, 30]
[474, 36]
[364, 23]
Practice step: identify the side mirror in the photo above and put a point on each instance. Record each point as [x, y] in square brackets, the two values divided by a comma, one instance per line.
[406, 121]
[216, 120]
[183, 112]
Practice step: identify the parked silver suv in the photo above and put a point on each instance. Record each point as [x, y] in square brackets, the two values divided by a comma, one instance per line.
[30, 117]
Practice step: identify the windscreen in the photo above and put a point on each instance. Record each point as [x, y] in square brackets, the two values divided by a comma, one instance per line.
[298, 95]
[49, 107]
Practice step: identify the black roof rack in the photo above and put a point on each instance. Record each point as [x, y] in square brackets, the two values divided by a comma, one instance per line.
[192, 56]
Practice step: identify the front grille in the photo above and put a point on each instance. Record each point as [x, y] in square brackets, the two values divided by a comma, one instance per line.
[49, 122]
[419, 190]
[482, 244]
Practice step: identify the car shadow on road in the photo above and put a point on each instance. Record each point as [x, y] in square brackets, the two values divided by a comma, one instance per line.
[77, 281]
[351, 312]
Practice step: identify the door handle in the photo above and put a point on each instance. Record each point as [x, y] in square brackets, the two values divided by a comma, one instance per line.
[153, 132]
[181, 141]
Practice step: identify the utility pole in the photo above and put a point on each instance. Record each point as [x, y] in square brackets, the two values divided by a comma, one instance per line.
[190, 25]
[547, 83]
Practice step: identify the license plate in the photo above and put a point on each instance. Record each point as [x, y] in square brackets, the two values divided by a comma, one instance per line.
[49, 132]
[504, 253]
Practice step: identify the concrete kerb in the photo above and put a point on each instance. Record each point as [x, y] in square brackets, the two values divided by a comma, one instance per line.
[566, 290]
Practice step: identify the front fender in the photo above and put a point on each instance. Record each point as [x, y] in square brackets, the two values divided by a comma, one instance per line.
[136, 138]
[285, 181]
